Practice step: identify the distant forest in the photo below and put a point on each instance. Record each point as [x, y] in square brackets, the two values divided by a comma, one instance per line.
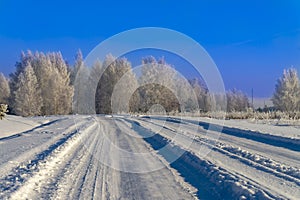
[45, 84]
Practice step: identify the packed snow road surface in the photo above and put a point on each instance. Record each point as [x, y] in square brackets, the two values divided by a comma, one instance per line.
[125, 157]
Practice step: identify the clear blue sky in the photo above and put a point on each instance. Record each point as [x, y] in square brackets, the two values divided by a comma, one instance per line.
[250, 41]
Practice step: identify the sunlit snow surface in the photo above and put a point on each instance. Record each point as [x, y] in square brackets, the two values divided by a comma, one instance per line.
[56, 158]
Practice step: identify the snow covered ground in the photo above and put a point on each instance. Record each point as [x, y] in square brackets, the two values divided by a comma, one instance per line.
[126, 157]
[11, 125]
[261, 126]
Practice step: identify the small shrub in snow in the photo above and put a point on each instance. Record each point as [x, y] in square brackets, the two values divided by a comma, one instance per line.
[3, 110]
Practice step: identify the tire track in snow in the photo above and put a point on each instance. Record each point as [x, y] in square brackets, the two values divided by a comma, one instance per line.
[86, 177]
[31, 155]
[143, 184]
[273, 140]
[168, 133]
[260, 162]
[73, 174]
[34, 184]
[13, 177]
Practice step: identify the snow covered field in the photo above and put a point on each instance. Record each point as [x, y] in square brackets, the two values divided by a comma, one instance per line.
[126, 157]
[262, 126]
[12, 125]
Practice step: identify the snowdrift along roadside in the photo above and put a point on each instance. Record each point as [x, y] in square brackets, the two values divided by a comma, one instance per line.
[12, 125]
[288, 131]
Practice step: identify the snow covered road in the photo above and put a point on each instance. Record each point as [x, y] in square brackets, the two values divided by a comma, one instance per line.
[124, 157]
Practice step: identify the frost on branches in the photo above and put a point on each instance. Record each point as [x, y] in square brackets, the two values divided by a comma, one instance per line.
[3, 110]
[4, 89]
[41, 85]
[286, 97]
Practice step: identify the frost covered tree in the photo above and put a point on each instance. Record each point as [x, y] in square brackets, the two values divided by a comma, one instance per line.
[79, 64]
[20, 66]
[124, 97]
[287, 92]
[156, 94]
[61, 87]
[80, 80]
[237, 101]
[4, 89]
[53, 81]
[85, 88]
[3, 110]
[158, 80]
[95, 73]
[185, 94]
[202, 94]
[44, 72]
[116, 69]
[28, 101]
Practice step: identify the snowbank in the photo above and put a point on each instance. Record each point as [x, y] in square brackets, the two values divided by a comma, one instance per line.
[255, 126]
[12, 125]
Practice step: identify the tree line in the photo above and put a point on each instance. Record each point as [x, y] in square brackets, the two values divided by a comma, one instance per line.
[45, 84]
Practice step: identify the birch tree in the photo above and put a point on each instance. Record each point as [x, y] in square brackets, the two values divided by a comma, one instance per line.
[53, 82]
[28, 100]
[158, 80]
[287, 92]
[116, 69]
[237, 101]
[202, 94]
[4, 89]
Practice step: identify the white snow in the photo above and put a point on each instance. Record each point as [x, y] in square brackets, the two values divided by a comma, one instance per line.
[261, 126]
[11, 125]
[84, 157]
